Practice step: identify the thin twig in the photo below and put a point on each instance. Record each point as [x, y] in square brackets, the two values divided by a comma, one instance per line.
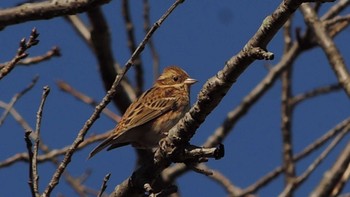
[54, 52]
[222, 180]
[49, 155]
[21, 53]
[288, 190]
[316, 92]
[129, 27]
[19, 119]
[326, 43]
[335, 9]
[104, 184]
[64, 86]
[155, 56]
[81, 28]
[287, 111]
[29, 146]
[309, 149]
[16, 97]
[46, 92]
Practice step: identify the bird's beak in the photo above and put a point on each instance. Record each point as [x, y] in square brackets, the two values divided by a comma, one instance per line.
[190, 81]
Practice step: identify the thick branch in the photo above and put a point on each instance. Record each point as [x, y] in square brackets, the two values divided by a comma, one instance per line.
[45, 10]
[101, 41]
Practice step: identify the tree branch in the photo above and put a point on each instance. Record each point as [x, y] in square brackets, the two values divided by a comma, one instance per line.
[21, 52]
[45, 10]
[15, 99]
[325, 41]
[334, 175]
[129, 26]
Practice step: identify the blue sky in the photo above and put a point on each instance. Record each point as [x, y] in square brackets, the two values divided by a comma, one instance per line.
[199, 36]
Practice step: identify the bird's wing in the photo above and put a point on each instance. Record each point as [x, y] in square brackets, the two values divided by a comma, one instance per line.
[139, 114]
[136, 115]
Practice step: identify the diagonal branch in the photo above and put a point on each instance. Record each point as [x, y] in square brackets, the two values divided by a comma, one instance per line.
[311, 168]
[325, 41]
[15, 99]
[307, 151]
[334, 175]
[86, 99]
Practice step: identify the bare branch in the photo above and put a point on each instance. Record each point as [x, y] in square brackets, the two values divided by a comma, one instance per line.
[309, 149]
[45, 10]
[129, 26]
[335, 10]
[287, 112]
[249, 100]
[325, 41]
[52, 153]
[101, 42]
[292, 185]
[222, 180]
[79, 26]
[334, 175]
[259, 91]
[15, 99]
[104, 184]
[86, 99]
[16, 116]
[155, 56]
[316, 92]
[21, 53]
[54, 52]
[46, 92]
[340, 185]
[29, 146]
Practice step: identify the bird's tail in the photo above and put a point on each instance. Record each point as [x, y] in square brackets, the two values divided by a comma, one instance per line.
[101, 146]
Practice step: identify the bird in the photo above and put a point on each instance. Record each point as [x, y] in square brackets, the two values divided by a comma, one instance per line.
[149, 118]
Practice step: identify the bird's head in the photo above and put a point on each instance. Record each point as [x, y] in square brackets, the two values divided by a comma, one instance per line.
[174, 75]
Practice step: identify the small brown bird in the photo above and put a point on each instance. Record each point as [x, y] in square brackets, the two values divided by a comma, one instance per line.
[153, 114]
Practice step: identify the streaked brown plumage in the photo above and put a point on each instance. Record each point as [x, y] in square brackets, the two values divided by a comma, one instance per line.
[154, 113]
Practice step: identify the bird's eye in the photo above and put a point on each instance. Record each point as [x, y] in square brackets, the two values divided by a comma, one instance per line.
[175, 78]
